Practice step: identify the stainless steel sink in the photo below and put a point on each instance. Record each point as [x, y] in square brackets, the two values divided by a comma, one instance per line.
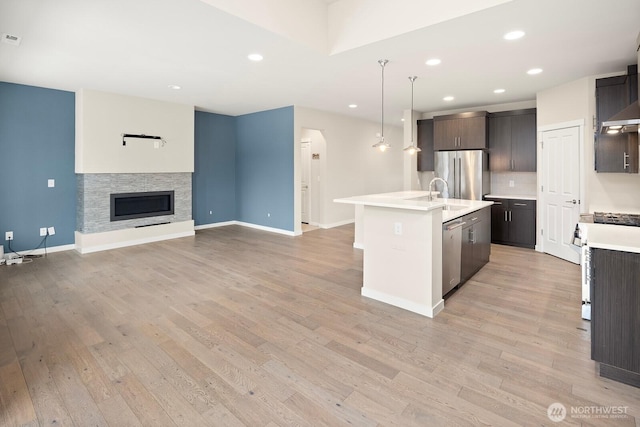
[447, 207]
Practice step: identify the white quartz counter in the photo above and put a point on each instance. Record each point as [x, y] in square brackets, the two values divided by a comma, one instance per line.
[614, 237]
[414, 200]
[417, 200]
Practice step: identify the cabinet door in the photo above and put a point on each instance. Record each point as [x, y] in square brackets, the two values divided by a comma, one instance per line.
[499, 224]
[500, 143]
[615, 318]
[425, 143]
[522, 224]
[611, 97]
[616, 153]
[445, 134]
[482, 237]
[523, 143]
[472, 133]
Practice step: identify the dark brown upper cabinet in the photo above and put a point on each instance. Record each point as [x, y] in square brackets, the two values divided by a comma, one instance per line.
[615, 153]
[512, 141]
[425, 143]
[464, 131]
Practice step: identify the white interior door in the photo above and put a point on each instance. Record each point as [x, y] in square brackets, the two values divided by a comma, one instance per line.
[561, 191]
[305, 157]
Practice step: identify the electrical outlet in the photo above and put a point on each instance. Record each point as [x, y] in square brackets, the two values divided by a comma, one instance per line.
[43, 231]
[51, 231]
[512, 183]
[8, 235]
[210, 212]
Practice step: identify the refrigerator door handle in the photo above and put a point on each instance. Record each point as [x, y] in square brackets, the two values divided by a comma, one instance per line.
[454, 190]
[459, 195]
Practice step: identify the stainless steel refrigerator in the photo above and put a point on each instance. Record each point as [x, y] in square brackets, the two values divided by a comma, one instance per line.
[466, 173]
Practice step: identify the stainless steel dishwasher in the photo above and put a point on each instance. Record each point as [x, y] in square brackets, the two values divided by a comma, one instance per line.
[451, 254]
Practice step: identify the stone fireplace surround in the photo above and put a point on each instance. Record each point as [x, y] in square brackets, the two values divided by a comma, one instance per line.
[94, 228]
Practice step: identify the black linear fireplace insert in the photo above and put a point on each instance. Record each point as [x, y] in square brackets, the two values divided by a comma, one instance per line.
[141, 205]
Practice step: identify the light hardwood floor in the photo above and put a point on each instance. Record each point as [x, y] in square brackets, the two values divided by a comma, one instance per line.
[242, 327]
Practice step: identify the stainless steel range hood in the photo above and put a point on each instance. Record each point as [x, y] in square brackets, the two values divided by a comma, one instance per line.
[626, 120]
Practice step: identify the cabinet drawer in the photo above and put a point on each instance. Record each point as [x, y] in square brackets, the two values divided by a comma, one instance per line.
[522, 204]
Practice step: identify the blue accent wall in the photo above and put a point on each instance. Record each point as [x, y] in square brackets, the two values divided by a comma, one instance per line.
[37, 143]
[214, 177]
[264, 168]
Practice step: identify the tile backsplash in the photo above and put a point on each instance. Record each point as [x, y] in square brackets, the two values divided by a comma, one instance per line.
[524, 183]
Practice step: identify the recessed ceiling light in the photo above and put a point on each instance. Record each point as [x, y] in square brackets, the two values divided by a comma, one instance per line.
[448, 98]
[514, 35]
[255, 57]
[174, 87]
[534, 71]
[433, 61]
[499, 91]
[353, 105]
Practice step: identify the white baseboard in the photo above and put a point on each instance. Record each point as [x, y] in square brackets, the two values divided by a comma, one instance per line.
[215, 224]
[337, 224]
[403, 303]
[263, 228]
[50, 250]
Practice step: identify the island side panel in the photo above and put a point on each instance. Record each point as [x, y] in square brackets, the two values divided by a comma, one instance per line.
[403, 266]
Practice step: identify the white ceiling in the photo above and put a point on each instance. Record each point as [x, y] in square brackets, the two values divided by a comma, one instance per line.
[140, 47]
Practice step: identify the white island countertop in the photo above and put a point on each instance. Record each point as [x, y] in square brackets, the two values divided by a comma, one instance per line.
[417, 200]
[614, 237]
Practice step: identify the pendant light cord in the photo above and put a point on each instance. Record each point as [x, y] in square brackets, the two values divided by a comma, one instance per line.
[382, 63]
[413, 79]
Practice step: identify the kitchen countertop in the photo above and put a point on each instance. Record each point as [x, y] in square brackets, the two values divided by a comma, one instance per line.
[413, 200]
[416, 200]
[511, 196]
[614, 237]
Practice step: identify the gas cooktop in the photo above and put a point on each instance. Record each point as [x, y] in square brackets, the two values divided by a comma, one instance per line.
[616, 219]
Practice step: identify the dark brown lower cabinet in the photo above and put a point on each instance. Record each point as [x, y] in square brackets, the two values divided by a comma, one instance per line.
[513, 222]
[615, 314]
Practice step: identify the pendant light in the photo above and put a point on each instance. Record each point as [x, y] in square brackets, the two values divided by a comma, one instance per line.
[412, 148]
[381, 144]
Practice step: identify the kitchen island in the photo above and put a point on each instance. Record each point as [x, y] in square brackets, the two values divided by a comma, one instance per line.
[614, 254]
[401, 234]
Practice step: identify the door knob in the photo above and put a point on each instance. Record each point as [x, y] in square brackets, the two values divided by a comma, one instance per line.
[574, 201]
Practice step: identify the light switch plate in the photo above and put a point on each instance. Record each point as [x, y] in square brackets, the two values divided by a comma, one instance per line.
[397, 228]
[51, 183]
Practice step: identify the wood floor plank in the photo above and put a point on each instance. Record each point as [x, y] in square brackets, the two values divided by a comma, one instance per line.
[16, 401]
[241, 327]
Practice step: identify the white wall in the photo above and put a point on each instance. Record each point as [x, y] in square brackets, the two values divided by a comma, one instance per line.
[101, 119]
[611, 192]
[352, 167]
